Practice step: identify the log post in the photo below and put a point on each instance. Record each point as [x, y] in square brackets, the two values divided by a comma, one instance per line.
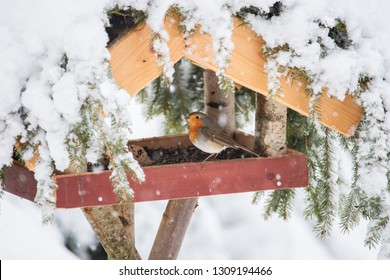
[114, 226]
[270, 129]
[218, 105]
[178, 213]
[173, 227]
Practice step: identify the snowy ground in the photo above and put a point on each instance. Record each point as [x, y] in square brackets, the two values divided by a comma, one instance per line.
[223, 227]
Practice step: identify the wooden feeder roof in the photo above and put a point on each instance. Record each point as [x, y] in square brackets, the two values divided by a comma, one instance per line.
[134, 66]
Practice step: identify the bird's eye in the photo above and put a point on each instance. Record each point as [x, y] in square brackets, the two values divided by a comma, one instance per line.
[197, 117]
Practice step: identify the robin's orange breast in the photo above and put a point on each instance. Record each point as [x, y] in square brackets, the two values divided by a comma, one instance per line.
[199, 139]
[194, 126]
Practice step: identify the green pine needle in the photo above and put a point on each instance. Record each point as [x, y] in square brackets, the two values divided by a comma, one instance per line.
[280, 202]
[375, 231]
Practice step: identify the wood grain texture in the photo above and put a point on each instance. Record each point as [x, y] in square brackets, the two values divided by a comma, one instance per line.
[172, 229]
[270, 127]
[134, 66]
[114, 227]
[133, 60]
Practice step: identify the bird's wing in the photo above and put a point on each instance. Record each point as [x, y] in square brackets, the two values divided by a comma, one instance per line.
[219, 136]
[222, 138]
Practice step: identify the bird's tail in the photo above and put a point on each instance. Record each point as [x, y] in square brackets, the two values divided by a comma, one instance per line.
[245, 149]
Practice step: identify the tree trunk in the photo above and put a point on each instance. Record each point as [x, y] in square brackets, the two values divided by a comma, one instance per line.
[114, 226]
[178, 213]
[271, 120]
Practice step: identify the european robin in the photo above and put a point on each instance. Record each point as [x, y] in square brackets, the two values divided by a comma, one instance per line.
[208, 136]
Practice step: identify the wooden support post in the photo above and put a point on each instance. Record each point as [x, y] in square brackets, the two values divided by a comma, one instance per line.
[218, 105]
[114, 226]
[270, 131]
[173, 227]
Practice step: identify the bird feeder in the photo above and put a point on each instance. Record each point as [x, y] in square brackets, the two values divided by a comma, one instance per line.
[171, 181]
[134, 66]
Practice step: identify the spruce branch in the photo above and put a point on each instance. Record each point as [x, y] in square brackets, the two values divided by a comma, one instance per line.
[257, 197]
[325, 188]
[375, 231]
[183, 16]
[275, 10]
[313, 207]
[320, 194]
[176, 101]
[371, 207]
[80, 138]
[349, 213]
[137, 15]
[350, 210]
[116, 150]
[245, 104]
[280, 202]
[159, 44]
[43, 173]
[226, 85]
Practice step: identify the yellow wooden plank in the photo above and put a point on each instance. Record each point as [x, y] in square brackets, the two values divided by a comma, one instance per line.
[343, 117]
[247, 68]
[134, 66]
[133, 61]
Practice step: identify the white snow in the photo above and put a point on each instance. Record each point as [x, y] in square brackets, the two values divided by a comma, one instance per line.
[222, 227]
[22, 235]
[40, 99]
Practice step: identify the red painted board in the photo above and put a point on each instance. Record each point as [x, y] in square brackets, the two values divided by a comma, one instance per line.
[172, 181]
[188, 180]
[20, 181]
